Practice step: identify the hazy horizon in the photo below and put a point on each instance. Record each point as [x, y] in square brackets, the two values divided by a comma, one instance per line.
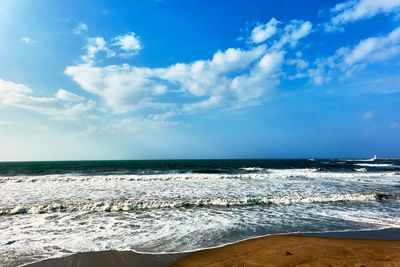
[194, 159]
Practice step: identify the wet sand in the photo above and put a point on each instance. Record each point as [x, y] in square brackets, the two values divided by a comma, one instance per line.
[111, 258]
[363, 248]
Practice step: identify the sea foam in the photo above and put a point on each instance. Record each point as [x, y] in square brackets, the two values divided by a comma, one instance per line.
[129, 205]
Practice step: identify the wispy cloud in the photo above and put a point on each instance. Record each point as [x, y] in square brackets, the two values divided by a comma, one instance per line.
[80, 28]
[347, 60]
[265, 31]
[121, 46]
[387, 84]
[94, 46]
[351, 11]
[20, 96]
[68, 96]
[300, 64]
[374, 49]
[129, 125]
[27, 40]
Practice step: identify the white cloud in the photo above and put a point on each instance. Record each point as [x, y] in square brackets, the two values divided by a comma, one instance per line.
[130, 43]
[352, 11]
[27, 40]
[124, 88]
[202, 77]
[343, 6]
[122, 45]
[19, 95]
[233, 78]
[264, 31]
[270, 62]
[68, 96]
[230, 79]
[347, 60]
[231, 91]
[94, 46]
[300, 64]
[80, 28]
[321, 74]
[374, 85]
[375, 49]
[293, 32]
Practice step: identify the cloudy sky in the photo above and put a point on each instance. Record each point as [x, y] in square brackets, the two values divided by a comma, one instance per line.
[199, 79]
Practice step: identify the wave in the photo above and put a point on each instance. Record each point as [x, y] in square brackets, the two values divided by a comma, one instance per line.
[266, 174]
[253, 169]
[377, 165]
[130, 205]
[361, 170]
[350, 160]
[208, 171]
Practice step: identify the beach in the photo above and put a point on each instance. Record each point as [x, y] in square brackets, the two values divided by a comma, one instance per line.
[289, 250]
[353, 248]
[199, 133]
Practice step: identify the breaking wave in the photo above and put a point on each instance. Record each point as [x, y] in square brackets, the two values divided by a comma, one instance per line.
[376, 165]
[130, 205]
[265, 174]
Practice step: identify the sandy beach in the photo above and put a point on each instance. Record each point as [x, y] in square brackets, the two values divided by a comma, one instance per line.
[359, 248]
[293, 250]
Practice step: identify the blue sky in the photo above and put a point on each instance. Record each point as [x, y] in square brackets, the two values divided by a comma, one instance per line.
[199, 79]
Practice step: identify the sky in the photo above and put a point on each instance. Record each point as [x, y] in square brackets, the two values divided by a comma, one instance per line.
[174, 79]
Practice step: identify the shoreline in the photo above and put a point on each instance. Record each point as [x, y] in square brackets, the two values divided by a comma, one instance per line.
[299, 250]
[382, 234]
[115, 258]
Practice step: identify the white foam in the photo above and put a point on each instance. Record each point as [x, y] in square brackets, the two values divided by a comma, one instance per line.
[366, 216]
[252, 169]
[376, 165]
[373, 159]
[361, 170]
[53, 214]
[160, 230]
[269, 174]
[108, 206]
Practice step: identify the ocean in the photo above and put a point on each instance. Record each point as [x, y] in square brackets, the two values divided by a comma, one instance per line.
[51, 209]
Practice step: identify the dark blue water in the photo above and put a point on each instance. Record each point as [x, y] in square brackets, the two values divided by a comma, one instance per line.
[185, 166]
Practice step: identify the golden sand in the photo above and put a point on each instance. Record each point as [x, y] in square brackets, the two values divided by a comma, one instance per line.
[291, 250]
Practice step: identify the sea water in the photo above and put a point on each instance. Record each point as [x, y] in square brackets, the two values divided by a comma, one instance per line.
[51, 209]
